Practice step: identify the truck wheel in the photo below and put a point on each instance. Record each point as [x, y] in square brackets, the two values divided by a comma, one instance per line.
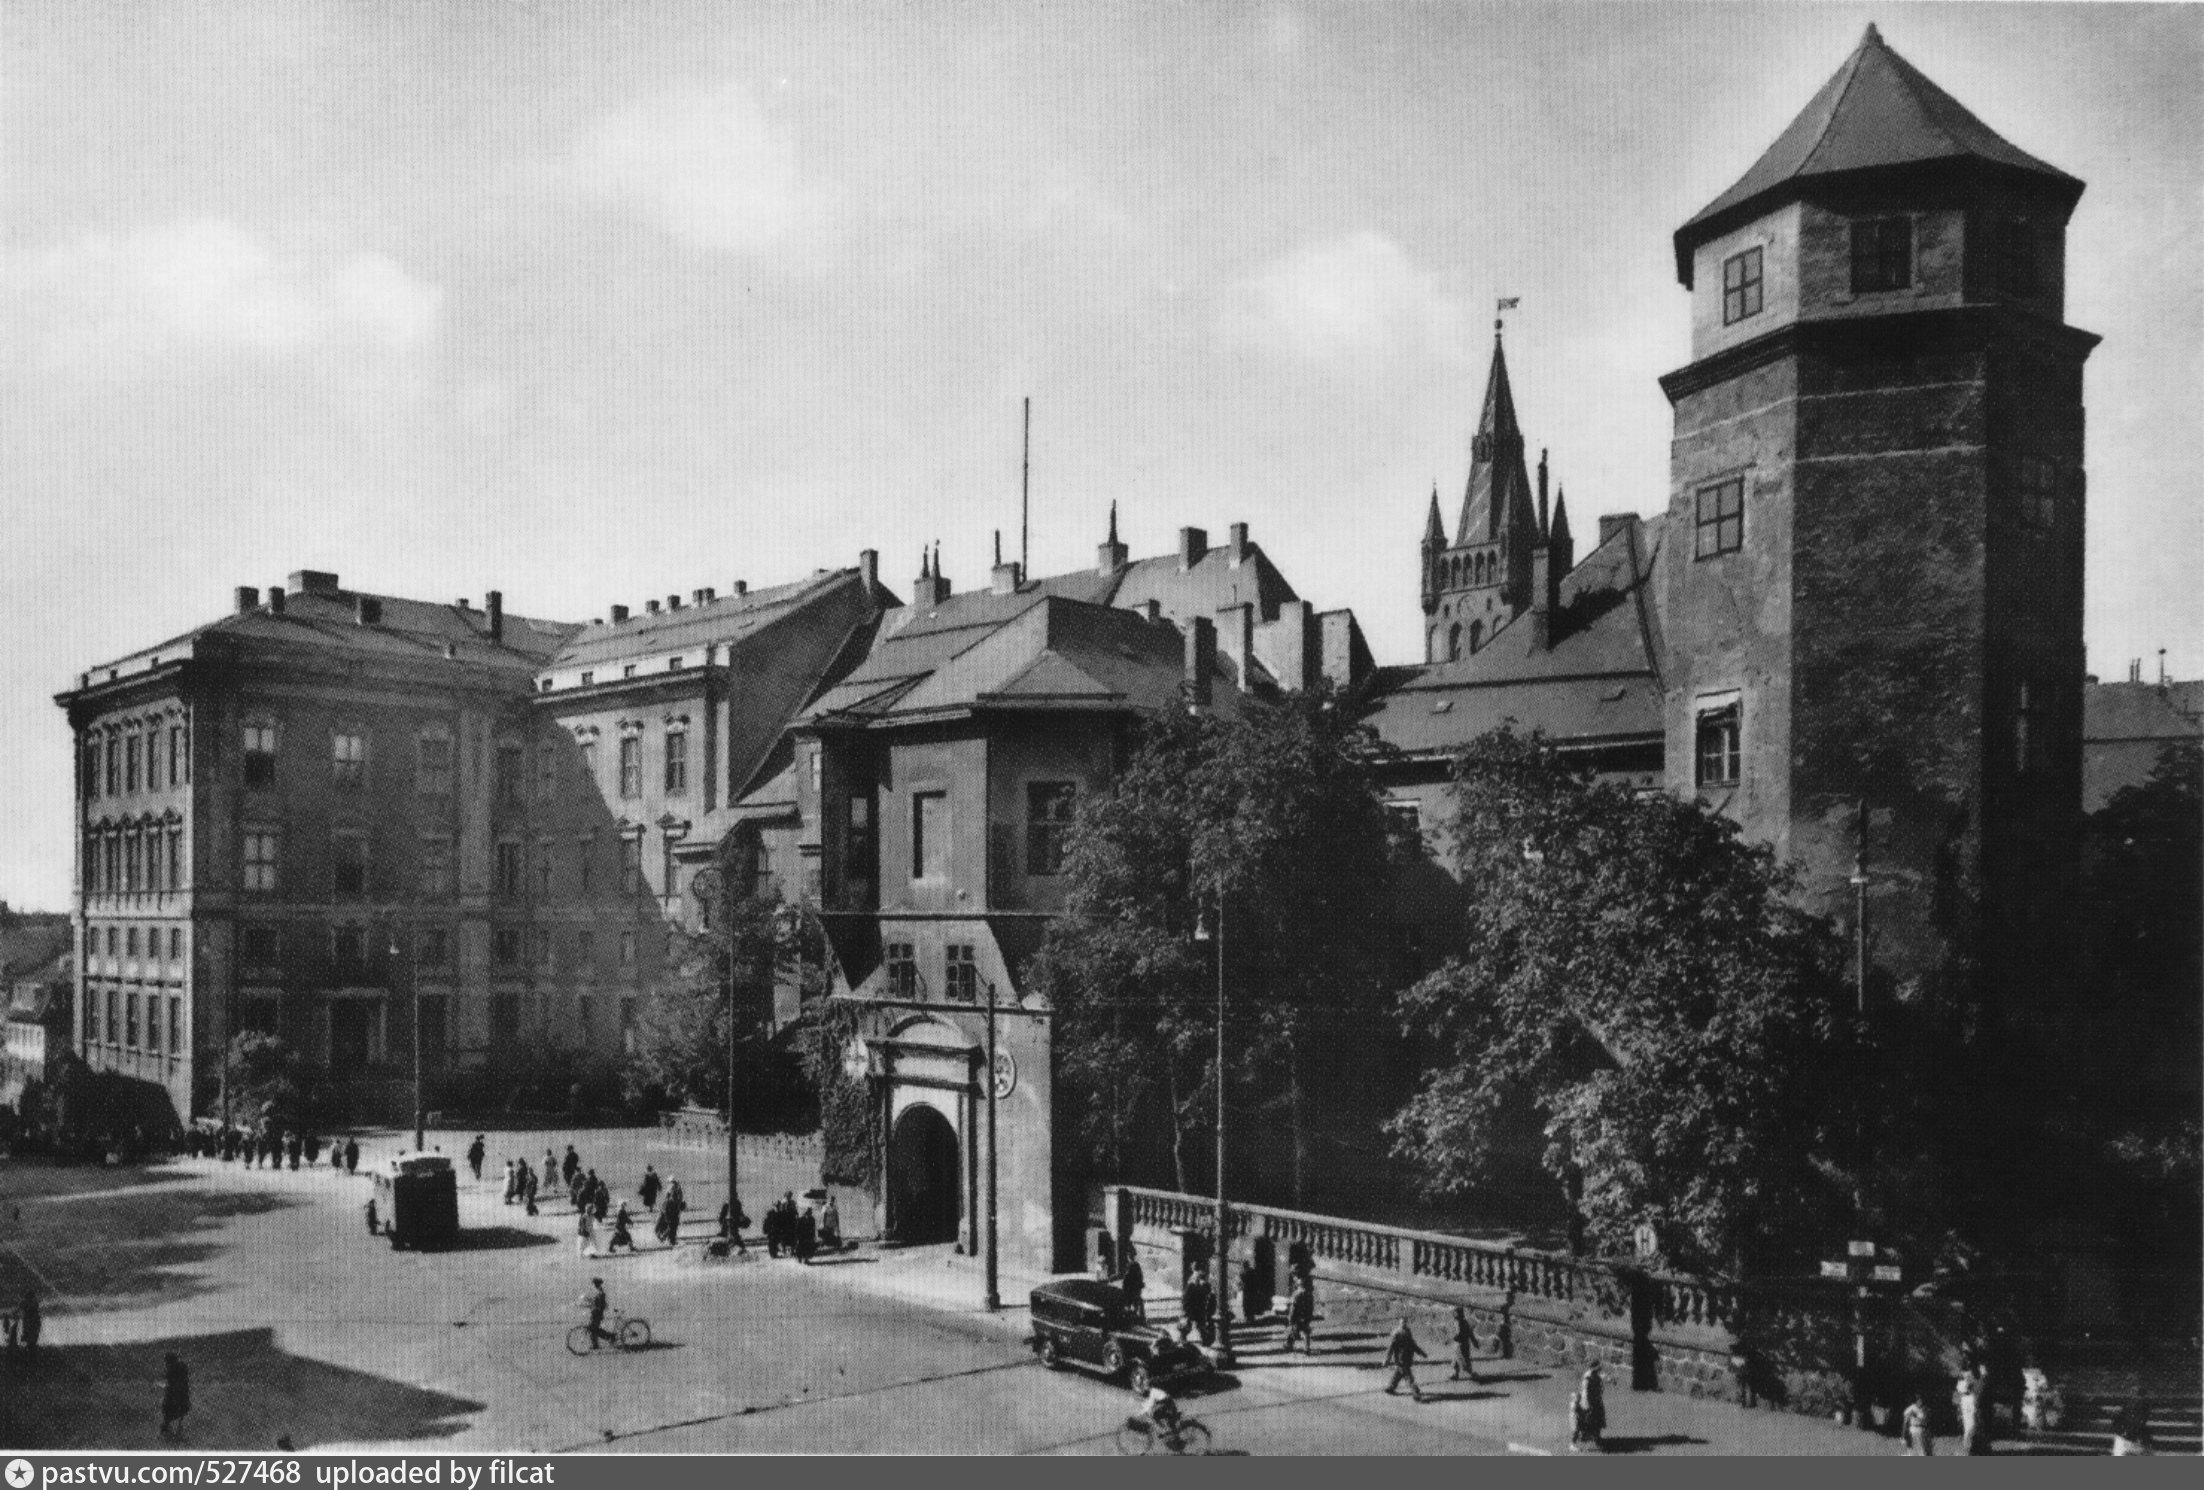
[1052, 1354]
[1137, 1379]
[1113, 1358]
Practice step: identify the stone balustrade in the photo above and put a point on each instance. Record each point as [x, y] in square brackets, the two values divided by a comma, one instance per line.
[700, 1128]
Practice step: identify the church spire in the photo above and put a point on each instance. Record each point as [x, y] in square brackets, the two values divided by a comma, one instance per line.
[1110, 557]
[1434, 530]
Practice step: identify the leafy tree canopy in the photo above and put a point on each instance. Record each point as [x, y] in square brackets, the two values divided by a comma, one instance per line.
[1635, 979]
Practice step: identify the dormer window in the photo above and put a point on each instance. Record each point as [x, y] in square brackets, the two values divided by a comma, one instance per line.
[1741, 286]
[1882, 254]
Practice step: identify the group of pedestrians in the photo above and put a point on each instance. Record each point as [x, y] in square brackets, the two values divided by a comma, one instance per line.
[24, 1326]
[801, 1233]
[270, 1146]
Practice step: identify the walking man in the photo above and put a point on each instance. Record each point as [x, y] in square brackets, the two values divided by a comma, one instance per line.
[512, 1181]
[1301, 1317]
[351, 1156]
[1588, 1410]
[1198, 1308]
[528, 1186]
[669, 1215]
[1135, 1283]
[175, 1397]
[571, 1165]
[597, 1304]
[621, 1236]
[30, 1323]
[647, 1192]
[585, 1235]
[1920, 1436]
[807, 1236]
[830, 1226]
[475, 1151]
[1465, 1346]
[1400, 1354]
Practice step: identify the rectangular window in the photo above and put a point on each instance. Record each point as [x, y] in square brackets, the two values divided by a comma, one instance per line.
[114, 767]
[175, 1026]
[627, 949]
[91, 769]
[259, 951]
[1740, 286]
[260, 860]
[588, 753]
[432, 764]
[677, 762]
[2016, 257]
[114, 941]
[152, 1013]
[627, 1026]
[547, 772]
[436, 878]
[179, 756]
[130, 933]
[348, 863]
[930, 835]
[130, 774]
[130, 1020]
[1721, 517]
[176, 946]
[133, 860]
[505, 1016]
[539, 946]
[2039, 492]
[1048, 813]
[114, 1025]
[812, 758]
[631, 866]
[348, 758]
[155, 860]
[902, 969]
[631, 766]
[433, 946]
[543, 869]
[961, 975]
[585, 1019]
[1407, 816]
[1882, 254]
[260, 754]
[1720, 762]
[505, 946]
[585, 863]
[2027, 753]
[348, 950]
[507, 772]
[176, 856]
[508, 870]
[111, 851]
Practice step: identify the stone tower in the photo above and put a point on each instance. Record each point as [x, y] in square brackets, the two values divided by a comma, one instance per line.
[1872, 573]
[1481, 581]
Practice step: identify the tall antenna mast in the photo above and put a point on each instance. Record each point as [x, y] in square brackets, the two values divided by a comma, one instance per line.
[1025, 495]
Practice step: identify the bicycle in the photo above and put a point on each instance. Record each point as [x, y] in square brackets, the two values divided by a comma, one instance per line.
[626, 1333]
[1139, 1436]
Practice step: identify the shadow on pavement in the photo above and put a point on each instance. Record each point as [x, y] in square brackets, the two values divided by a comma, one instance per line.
[114, 1250]
[1612, 1444]
[245, 1394]
[496, 1238]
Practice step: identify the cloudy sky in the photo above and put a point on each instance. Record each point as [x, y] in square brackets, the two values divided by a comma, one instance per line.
[591, 302]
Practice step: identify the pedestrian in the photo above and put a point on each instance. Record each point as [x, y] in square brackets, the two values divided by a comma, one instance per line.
[512, 1181]
[621, 1236]
[1197, 1307]
[2129, 1437]
[30, 1323]
[1254, 1294]
[647, 1192]
[1400, 1354]
[585, 1235]
[528, 1180]
[374, 1223]
[596, 1303]
[313, 1150]
[294, 1144]
[1974, 1432]
[550, 1167]
[807, 1236]
[1135, 1283]
[1301, 1317]
[1465, 1346]
[600, 1193]
[351, 1155]
[731, 1223]
[571, 1165]
[175, 1397]
[670, 1213]
[1588, 1411]
[830, 1226]
[1920, 1434]
[475, 1153]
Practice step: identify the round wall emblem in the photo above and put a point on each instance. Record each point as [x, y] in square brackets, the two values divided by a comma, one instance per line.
[1006, 1075]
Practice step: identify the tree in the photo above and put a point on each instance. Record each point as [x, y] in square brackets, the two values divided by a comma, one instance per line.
[1635, 984]
[1271, 814]
[270, 1081]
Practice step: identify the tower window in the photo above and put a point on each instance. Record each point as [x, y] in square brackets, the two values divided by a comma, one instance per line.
[1741, 286]
[348, 756]
[260, 860]
[1049, 808]
[2038, 491]
[510, 763]
[962, 974]
[930, 836]
[1454, 642]
[1721, 517]
[1720, 762]
[1882, 254]
[902, 969]
[260, 754]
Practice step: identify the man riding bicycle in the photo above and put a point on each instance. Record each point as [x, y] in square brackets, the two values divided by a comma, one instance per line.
[597, 1305]
[1161, 1410]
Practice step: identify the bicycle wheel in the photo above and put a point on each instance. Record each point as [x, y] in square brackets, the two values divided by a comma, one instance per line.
[577, 1339]
[1133, 1437]
[634, 1335]
[1193, 1438]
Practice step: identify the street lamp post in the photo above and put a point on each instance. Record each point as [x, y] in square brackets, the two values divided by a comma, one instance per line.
[1224, 1358]
[420, 1113]
[1860, 1146]
[994, 1300]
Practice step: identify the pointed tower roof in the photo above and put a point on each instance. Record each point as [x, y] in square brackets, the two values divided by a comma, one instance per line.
[1498, 495]
[1878, 111]
[1434, 528]
[1558, 534]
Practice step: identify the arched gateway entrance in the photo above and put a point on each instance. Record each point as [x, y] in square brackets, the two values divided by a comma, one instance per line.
[925, 1194]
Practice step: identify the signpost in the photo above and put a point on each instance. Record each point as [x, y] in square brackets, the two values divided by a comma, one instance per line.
[1859, 1267]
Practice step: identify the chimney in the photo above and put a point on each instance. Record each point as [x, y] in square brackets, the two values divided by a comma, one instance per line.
[1193, 543]
[1542, 508]
[313, 582]
[1236, 638]
[1291, 645]
[1151, 610]
[673, 602]
[1005, 575]
[1611, 523]
[1542, 596]
[463, 603]
[650, 607]
[704, 596]
[496, 602]
[619, 614]
[367, 610]
[275, 599]
[1110, 556]
[248, 598]
[868, 568]
[1346, 656]
[742, 587]
[1201, 660]
[1239, 543]
[932, 586]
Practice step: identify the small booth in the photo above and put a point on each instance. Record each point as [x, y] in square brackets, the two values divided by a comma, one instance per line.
[418, 1195]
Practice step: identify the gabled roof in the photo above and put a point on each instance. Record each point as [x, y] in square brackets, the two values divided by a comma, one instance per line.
[29, 946]
[1876, 112]
[726, 620]
[2134, 711]
[1498, 493]
[1598, 680]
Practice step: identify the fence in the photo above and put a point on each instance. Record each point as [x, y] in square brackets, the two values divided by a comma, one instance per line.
[698, 1128]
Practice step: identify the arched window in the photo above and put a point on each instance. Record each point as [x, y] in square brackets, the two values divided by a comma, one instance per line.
[1476, 635]
[1454, 642]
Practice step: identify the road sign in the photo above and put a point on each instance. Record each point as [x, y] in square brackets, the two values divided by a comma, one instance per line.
[1862, 1249]
[1648, 1243]
[1888, 1273]
[1006, 1075]
[1837, 1270]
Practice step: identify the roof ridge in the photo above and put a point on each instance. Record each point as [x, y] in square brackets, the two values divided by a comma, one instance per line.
[1850, 72]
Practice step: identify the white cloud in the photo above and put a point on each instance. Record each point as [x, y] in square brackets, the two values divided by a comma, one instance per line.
[112, 305]
[704, 165]
[1356, 298]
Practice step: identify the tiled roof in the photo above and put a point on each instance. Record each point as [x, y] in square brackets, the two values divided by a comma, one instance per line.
[1498, 493]
[1598, 680]
[2135, 711]
[1877, 110]
[29, 946]
[727, 619]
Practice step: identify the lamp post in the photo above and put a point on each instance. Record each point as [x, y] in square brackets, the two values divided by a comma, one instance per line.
[1223, 1249]
[1860, 1157]
[994, 1299]
[420, 1118]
